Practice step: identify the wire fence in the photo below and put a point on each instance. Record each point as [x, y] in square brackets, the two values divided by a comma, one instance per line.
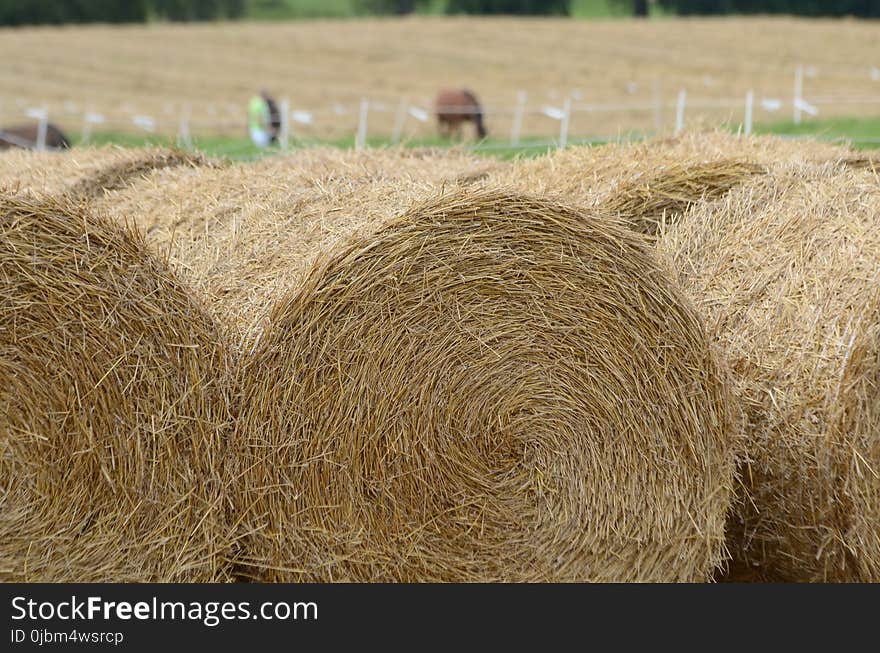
[560, 122]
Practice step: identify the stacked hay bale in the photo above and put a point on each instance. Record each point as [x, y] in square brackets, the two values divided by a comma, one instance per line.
[654, 182]
[86, 171]
[438, 382]
[111, 406]
[786, 269]
[587, 175]
[646, 203]
[225, 227]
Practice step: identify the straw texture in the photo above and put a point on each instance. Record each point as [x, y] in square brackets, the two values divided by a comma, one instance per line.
[648, 183]
[111, 406]
[244, 233]
[648, 202]
[786, 270]
[483, 389]
[438, 379]
[86, 171]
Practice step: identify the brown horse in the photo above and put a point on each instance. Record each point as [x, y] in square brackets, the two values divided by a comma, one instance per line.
[454, 107]
[26, 137]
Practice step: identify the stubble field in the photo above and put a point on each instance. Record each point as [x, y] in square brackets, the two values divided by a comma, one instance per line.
[207, 72]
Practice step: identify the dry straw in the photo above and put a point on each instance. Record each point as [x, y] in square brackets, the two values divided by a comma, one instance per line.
[654, 181]
[110, 406]
[242, 232]
[486, 388]
[861, 161]
[647, 202]
[786, 270]
[86, 171]
[443, 382]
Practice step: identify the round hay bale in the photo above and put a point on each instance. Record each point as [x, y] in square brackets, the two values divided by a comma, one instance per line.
[648, 202]
[243, 233]
[485, 388]
[480, 387]
[86, 171]
[861, 161]
[785, 268]
[111, 406]
[119, 171]
[654, 180]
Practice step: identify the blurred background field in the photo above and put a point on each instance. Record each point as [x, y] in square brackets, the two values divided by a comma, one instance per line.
[596, 75]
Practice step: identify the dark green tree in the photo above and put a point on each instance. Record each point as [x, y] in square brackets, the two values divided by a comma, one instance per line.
[35, 12]
[524, 7]
[234, 8]
[859, 8]
[387, 7]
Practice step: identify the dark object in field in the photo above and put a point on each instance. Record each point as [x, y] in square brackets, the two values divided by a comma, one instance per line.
[274, 117]
[454, 107]
[26, 137]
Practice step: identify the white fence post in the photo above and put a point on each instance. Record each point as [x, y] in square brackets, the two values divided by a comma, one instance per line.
[399, 121]
[679, 111]
[42, 117]
[86, 133]
[516, 127]
[798, 93]
[89, 118]
[184, 138]
[42, 127]
[750, 102]
[658, 106]
[563, 126]
[360, 140]
[284, 135]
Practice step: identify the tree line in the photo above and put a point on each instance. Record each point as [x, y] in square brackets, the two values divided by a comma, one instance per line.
[859, 8]
[58, 12]
[31, 12]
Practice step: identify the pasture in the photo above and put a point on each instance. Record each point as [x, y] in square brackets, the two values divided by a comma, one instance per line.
[620, 76]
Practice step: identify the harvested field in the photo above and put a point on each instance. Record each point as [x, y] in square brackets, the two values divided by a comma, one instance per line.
[158, 70]
[111, 407]
[786, 270]
[441, 381]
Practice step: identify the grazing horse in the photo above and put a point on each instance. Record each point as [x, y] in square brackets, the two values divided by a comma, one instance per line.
[26, 137]
[456, 107]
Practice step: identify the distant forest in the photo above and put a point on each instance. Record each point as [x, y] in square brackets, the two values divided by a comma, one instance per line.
[33, 12]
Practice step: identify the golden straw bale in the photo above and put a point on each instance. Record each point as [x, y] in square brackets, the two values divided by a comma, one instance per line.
[786, 270]
[676, 172]
[483, 387]
[439, 381]
[861, 161]
[111, 406]
[86, 171]
[243, 231]
[646, 203]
